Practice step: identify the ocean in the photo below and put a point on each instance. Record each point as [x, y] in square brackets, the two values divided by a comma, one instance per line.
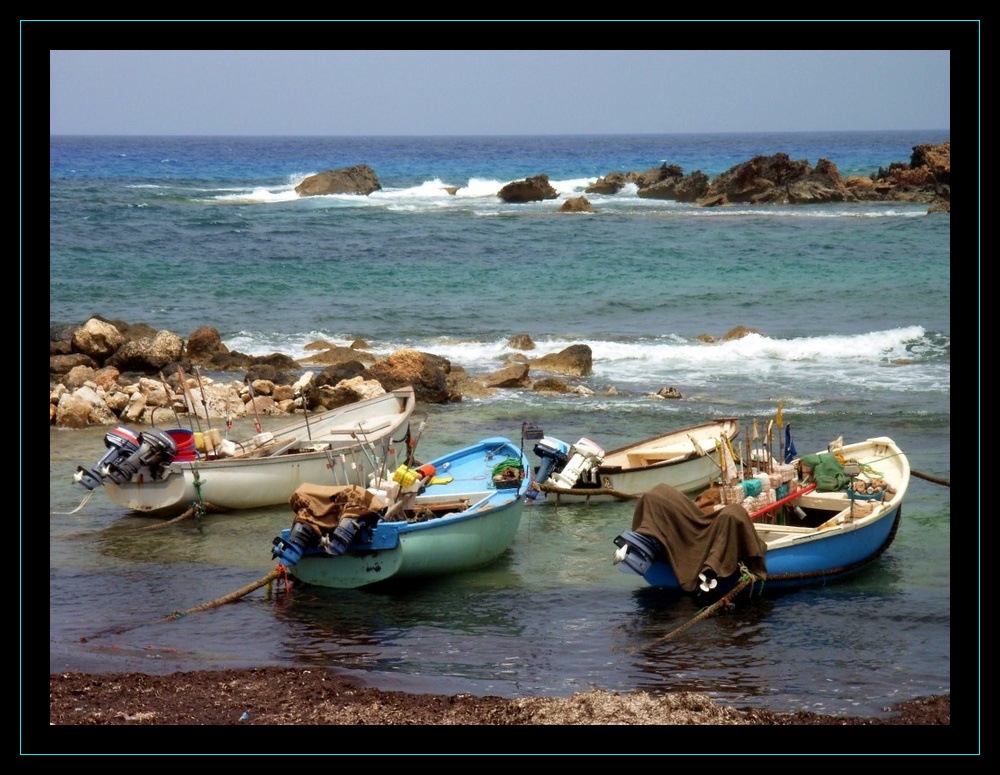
[852, 302]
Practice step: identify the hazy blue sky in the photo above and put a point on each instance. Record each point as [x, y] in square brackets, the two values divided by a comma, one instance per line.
[495, 92]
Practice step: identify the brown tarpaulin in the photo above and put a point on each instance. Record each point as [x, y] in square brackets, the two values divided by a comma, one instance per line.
[322, 507]
[694, 540]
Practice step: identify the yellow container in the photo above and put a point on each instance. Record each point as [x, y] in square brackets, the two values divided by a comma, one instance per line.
[406, 477]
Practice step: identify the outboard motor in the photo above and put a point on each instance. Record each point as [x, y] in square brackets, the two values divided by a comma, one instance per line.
[121, 444]
[155, 448]
[586, 455]
[289, 551]
[636, 551]
[554, 454]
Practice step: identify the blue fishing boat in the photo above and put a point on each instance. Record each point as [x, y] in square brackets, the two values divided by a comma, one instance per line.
[455, 513]
[840, 513]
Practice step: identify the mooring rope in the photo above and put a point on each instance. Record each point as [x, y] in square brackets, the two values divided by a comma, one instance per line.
[279, 572]
[746, 579]
[197, 509]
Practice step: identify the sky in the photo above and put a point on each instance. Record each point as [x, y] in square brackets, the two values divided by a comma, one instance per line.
[494, 91]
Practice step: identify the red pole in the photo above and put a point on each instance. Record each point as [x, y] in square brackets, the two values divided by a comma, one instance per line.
[783, 501]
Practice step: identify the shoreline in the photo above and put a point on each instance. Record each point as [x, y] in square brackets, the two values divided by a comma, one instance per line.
[320, 696]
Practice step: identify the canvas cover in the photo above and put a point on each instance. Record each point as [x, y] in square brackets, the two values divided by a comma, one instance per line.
[322, 507]
[695, 541]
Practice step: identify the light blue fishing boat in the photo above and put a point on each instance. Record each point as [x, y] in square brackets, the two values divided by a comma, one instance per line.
[455, 513]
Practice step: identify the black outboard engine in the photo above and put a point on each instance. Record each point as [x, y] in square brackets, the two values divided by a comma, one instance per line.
[636, 551]
[289, 551]
[121, 444]
[155, 448]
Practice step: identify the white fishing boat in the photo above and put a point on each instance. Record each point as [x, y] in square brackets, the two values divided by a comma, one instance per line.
[686, 459]
[164, 472]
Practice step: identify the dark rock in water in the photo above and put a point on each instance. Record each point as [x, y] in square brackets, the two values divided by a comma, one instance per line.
[359, 179]
[533, 189]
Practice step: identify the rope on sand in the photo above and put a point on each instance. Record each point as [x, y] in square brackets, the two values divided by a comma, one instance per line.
[280, 572]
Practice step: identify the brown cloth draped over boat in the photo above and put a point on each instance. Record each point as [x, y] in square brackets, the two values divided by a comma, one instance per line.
[694, 540]
[322, 507]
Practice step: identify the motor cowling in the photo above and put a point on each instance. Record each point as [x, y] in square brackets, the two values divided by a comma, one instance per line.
[636, 551]
[554, 455]
[289, 551]
[156, 448]
[587, 455]
[121, 444]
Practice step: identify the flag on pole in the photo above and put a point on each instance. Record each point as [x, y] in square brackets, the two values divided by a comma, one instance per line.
[790, 452]
[779, 418]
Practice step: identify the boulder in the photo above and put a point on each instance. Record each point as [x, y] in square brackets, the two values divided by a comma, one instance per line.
[359, 179]
[513, 376]
[427, 373]
[148, 354]
[579, 204]
[97, 338]
[204, 344]
[576, 360]
[534, 189]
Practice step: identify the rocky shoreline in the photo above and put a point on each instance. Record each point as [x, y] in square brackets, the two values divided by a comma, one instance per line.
[105, 372]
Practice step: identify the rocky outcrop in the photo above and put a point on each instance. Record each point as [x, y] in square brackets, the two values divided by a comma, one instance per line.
[359, 179]
[533, 189]
[577, 360]
[680, 188]
[427, 373]
[579, 204]
[778, 180]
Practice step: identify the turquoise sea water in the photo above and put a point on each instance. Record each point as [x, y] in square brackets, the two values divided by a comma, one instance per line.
[853, 302]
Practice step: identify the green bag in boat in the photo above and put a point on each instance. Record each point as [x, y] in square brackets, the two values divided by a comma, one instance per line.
[827, 472]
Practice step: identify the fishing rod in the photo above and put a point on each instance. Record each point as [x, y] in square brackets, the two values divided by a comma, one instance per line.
[188, 401]
[170, 400]
[413, 444]
[300, 389]
[204, 403]
[253, 402]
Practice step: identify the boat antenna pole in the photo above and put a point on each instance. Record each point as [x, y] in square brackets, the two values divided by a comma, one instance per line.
[170, 399]
[253, 403]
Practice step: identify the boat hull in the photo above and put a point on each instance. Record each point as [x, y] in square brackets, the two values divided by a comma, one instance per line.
[471, 537]
[339, 447]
